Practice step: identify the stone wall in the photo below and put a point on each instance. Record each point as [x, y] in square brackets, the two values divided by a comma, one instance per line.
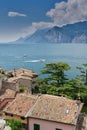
[16, 85]
[82, 122]
[8, 85]
[26, 84]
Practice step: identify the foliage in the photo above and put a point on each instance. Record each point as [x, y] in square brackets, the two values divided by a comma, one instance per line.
[56, 79]
[14, 124]
[83, 71]
[56, 73]
[84, 109]
[21, 89]
[57, 83]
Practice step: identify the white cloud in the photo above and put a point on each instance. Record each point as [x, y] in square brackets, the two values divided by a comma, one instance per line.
[42, 25]
[14, 14]
[69, 12]
[64, 13]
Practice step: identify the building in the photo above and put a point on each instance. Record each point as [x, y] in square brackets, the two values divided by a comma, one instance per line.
[21, 80]
[24, 84]
[19, 107]
[45, 112]
[7, 97]
[24, 72]
[24, 79]
[54, 113]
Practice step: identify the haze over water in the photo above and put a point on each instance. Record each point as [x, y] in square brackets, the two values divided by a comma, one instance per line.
[28, 56]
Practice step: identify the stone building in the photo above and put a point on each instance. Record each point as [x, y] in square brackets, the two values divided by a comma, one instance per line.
[20, 80]
[24, 79]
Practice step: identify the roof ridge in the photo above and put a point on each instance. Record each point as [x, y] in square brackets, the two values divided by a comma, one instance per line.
[31, 109]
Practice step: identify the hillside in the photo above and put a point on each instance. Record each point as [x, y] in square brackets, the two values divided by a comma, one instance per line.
[72, 33]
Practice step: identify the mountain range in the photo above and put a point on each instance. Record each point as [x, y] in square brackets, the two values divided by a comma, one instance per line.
[72, 33]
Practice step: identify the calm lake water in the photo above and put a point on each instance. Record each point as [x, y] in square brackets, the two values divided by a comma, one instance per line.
[28, 56]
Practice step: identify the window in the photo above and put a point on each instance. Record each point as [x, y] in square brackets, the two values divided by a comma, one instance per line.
[58, 129]
[67, 111]
[36, 127]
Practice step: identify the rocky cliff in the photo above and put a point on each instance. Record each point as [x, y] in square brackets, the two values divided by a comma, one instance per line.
[73, 33]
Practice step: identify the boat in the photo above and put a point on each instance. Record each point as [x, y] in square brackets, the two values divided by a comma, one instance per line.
[39, 60]
[42, 60]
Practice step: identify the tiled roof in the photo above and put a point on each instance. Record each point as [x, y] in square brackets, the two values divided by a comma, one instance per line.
[56, 108]
[45, 107]
[9, 93]
[24, 72]
[8, 96]
[4, 103]
[21, 104]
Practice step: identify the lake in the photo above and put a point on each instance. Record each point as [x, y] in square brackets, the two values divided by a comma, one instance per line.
[30, 56]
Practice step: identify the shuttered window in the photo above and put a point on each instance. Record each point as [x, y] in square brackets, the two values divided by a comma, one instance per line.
[36, 127]
[58, 129]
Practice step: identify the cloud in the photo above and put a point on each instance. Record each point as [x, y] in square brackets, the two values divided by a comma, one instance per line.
[42, 25]
[68, 12]
[14, 14]
[64, 13]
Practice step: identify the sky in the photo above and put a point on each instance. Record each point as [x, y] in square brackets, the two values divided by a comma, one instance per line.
[19, 18]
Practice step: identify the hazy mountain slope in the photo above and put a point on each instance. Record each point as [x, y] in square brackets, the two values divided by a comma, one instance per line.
[73, 33]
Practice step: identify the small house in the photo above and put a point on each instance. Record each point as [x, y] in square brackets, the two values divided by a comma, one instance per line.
[54, 113]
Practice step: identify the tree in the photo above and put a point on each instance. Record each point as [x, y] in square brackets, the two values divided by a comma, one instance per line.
[14, 124]
[83, 71]
[56, 83]
[54, 78]
[56, 73]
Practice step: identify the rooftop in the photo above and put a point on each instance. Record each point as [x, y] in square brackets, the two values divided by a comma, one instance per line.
[56, 108]
[24, 72]
[46, 107]
[9, 93]
[21, 104]
[8, 96]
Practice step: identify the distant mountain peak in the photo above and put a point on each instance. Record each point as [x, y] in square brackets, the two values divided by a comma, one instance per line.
[71, 33]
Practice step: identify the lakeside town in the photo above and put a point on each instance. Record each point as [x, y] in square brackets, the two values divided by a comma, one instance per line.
[43, 65]
[36, 111]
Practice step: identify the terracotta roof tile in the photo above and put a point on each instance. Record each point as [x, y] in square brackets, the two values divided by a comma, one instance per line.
[46, 107]
[9, 93]
[24, 72]
[21, 104]
[56, 108]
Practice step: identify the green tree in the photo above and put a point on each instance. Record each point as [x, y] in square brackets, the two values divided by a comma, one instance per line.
[56, 73]
[83, 73]
[56, 83]
[54, 78]
[14, 124]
